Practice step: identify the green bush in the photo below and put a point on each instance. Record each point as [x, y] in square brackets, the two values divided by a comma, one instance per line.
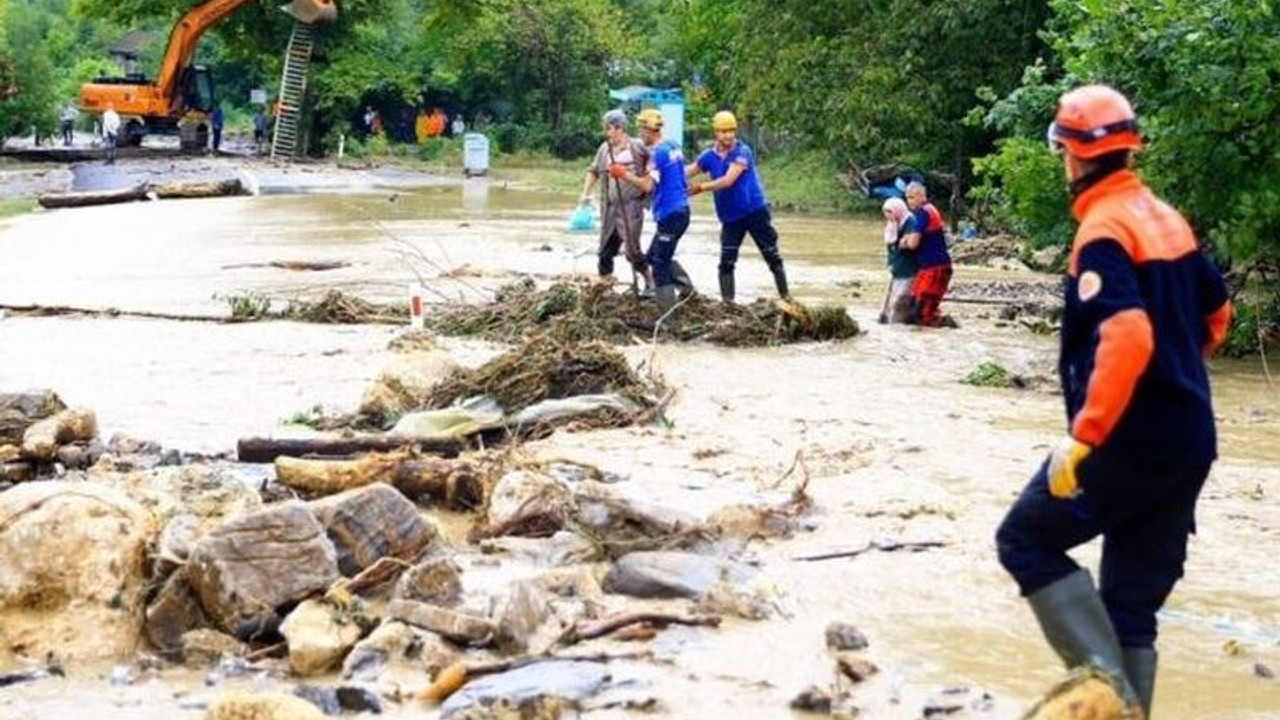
[1022, 190]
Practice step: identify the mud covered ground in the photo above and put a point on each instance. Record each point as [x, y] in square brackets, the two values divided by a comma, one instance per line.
[897, 451]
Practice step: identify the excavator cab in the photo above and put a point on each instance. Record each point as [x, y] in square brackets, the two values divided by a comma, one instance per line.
[197, 89]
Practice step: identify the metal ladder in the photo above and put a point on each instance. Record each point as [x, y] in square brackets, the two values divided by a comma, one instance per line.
[293, 90]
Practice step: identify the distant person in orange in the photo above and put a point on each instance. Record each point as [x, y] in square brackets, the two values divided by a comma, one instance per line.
[435, 124]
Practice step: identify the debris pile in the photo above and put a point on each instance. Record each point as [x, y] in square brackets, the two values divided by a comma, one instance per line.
[581, 311]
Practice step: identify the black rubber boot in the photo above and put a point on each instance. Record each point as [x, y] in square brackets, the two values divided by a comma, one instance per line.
[684, 284]
[1076, 624]
[666, 297]
[726, 286]
[780, 279]
[1140, 666]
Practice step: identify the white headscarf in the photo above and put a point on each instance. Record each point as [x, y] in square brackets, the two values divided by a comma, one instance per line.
[896, 211]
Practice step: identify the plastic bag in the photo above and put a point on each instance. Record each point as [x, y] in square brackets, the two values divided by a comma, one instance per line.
[582, 219]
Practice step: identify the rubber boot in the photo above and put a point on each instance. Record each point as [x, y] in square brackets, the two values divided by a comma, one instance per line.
[684, 284]
[666, 297]
[780, 279]
[1076, 624]
[726, 286]
[1140, 666]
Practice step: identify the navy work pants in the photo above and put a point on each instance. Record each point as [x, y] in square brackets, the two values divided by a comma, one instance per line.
[760, 225]
[1144, 511]
[662, 248]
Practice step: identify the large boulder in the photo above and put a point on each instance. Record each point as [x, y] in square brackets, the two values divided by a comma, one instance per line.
[18, 411]
[42, 440]
[372, 522]
[72, 557]
[247, 567]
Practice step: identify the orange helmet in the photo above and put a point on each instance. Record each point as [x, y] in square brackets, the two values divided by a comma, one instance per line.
[649, 119]
[1094, 120]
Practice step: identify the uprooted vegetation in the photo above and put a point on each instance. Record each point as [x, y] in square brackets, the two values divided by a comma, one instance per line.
[581, 312]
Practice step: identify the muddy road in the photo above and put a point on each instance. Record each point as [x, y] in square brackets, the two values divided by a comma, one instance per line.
[895, 447]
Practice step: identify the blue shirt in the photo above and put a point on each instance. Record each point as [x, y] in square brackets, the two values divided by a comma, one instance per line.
[746, 195]
[933, 237]
[666, 167]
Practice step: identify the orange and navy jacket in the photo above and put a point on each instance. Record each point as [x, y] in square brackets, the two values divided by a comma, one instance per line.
[1144, 306]
[932, 251]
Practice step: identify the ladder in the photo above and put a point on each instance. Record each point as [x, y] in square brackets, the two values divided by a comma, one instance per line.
[293, 89]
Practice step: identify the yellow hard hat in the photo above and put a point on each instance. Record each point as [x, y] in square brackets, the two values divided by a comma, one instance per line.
[724, 120]
[649, 119]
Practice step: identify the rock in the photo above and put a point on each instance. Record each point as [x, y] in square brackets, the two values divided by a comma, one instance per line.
[625, 524]
[372, 522]
[210, 492]
[73, 558]
[749, 522]
[405, 383]
[73, 456]
[522, 494]
[248, 566]
[534, 692]
[457, 626]
[389, 641]
[205, 647]
[270, 706]
[843, 636]
[1264, 672]
[519, 614]
[671, 574]
[42, 440]
[854, 667]
[324, 698]
[437, 581]
[175, 612]
[317, 639]
[358, 699]
[18, 411]
[579, 582]
[175, 543]
[563, 548]
[812, 699]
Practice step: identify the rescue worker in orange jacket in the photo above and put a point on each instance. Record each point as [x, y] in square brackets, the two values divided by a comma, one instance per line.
[1143, 307]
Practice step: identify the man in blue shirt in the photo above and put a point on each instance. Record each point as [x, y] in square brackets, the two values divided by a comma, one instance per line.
[664, 180]
[740, 203]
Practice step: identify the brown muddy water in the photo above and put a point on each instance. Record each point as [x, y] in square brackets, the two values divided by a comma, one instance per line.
[895, 447]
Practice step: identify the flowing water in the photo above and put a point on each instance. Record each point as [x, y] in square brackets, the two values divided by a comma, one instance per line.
[895, 448]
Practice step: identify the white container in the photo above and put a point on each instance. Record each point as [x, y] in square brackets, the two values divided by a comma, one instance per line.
[417, 314]
[475, 154]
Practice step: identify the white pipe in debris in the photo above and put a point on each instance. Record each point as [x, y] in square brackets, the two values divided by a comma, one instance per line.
[342, 141]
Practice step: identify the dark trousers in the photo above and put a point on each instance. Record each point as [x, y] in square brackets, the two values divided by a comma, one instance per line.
[217, 137]
[662, 249]
[67, 132]
[1144, 512]
[760, 225]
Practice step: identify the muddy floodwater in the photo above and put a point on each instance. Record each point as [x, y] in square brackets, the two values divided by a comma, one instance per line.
[895, 447]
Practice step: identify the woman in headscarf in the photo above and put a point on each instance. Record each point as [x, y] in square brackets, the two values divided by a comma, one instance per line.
[901, 238]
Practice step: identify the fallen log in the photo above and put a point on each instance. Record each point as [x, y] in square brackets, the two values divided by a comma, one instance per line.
[609, 625]
[144, 191]
[217, 188]
[86, 198]
[263, 450]
[452, 483]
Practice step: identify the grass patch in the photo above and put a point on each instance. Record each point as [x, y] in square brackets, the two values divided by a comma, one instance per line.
[807, 181]
[989, 374]
[17, 206]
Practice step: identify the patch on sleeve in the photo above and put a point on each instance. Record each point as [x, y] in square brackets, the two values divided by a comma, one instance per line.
[1089, 286]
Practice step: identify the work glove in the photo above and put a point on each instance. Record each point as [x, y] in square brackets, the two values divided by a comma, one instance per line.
[617, 171]
[696, 189]
[1066, 456]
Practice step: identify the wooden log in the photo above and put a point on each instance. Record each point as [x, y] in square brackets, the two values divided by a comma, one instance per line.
[454, 483]
[92, 197]
[262, 450]
[217, 188]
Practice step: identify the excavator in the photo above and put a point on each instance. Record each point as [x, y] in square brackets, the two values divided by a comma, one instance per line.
[181, 98]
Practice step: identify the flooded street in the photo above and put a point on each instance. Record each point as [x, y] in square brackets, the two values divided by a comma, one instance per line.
[896, 449]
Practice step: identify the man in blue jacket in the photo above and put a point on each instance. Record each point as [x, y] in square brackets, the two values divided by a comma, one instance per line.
[740, 203]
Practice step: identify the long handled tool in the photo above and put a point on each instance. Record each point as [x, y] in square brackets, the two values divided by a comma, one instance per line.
[626, 227]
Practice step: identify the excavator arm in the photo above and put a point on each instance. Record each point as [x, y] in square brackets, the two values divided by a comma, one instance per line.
[192, 26]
